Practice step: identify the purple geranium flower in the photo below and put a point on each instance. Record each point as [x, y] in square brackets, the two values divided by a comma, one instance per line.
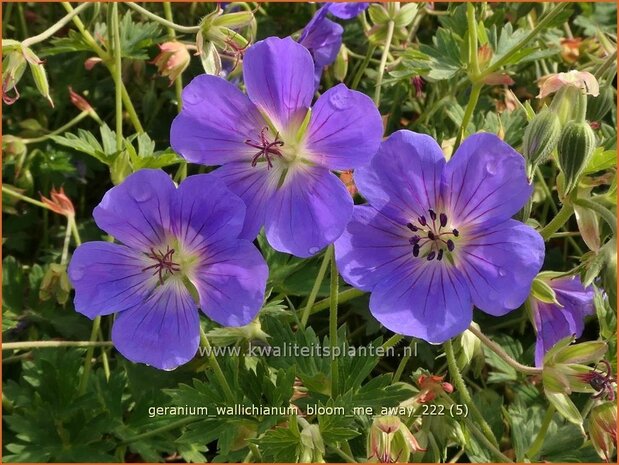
[323, 38]
[555, 322]
[179, 245]
[276, 153]
[438, 238]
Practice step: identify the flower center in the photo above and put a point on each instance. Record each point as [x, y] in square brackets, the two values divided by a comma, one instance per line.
[164, 265]
[432, 238]
[266, 149]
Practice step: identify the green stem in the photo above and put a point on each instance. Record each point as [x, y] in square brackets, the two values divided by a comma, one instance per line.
[65, 245]
[178, 82]
[606, 214]
[117, 74]
[468, 112]
[456, 377]
[89, 353]
[216, 367]
[17, 195]
[402, 365]
[55, 27]
[541, 434]
[168, 23]
[315, 288]
[341, 453]
[383, 62]
[162, 429]
[497, 349]
[392, 341]
[333, 302]
[61, 129]
[342, 297]
[557, 222]
[472, 27]
[363, 66]
[53, 344]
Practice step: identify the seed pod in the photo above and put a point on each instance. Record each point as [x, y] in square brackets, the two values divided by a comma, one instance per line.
[340, 67]
[597, 107]
[575, 148]
[38, 73]
[541, 136]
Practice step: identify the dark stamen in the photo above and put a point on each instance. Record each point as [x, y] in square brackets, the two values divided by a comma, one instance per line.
[431, 255]
[443, 220]
[416, 250]
[439, 257]
[413, 240]
[431, 235]
[164, 263]
[422, 221]
[456, 232]
[412, 227]
[450, 245]
[432, 214]
[266, 148]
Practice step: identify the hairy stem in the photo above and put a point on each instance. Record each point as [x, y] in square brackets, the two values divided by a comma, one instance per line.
[117, 74]
[178, 82]
[383, 62]
[497, 349]
[60, 130]
[541, 434]
[162, 429]
[333, 302]
[216, 367]
[557, 222]
[168, 23]
[55, 27]
[27, 345]
[89, 353]
[456, 377]
[315, 288]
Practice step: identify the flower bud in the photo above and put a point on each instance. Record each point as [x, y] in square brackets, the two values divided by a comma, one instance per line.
[172, 60]
[55, 284]
[575, 147]
[430, 386]
[13, 67]
[38, 73]
[378, 14]
[588, 223]
[391, 441]
[602, 428]
[570, 49]
[598, 107]
[340, 66]
[541, 136]
[312, 445]
[80, 102]
[406, 14]
[59, 202]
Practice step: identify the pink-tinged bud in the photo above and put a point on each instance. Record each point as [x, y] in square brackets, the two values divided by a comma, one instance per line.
[90, 63]
[391, 441]
[570, 49]
[59, 202]
[349, 181]
[80, 102]
[582, 80]
[418, 83]
[498, 79]
[430, 386]
[172, 60]
[602, 429]
[484, 55]
[13, 67]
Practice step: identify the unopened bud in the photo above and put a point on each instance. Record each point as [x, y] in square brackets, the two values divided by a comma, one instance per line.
[80, 102]
[172, 60]
[602, 429]
[541, 136]
[38, 73]
[90, 63]
[312, 445]
[13, 67]
[378, 14]
[570, 49]
[391, 441]
[55, 284]
[484, 55]
[340, 66]
[575, 147]
[598, 107]
[406, 14]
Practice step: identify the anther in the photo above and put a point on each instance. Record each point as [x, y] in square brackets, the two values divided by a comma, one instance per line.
[432, 214]
[456, 232]
[413, 240]
[412, 227]
[416, 250]
[450, 245]
[431, 255]
[422, 220]
[439, 257]
[443, 218]
[431, 235]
